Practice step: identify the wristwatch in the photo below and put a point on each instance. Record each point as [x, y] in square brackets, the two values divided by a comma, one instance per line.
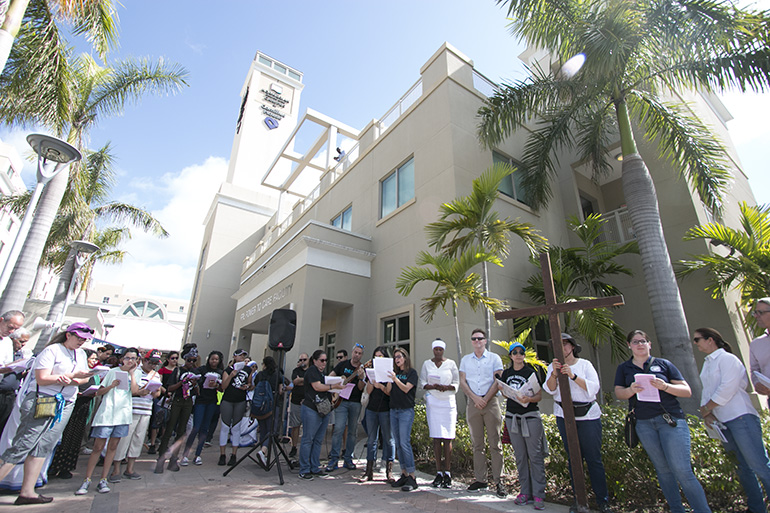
[574, 377]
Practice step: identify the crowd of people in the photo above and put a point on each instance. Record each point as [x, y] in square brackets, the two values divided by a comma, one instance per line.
[113, 403]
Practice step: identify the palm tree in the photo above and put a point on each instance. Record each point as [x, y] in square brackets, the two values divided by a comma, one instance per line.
[635, 53]
[530, 356]
[91, 92]
[581, 273]
[471, 221]
[746, 266]
[454, 283]
[109, 252]
[34, 21]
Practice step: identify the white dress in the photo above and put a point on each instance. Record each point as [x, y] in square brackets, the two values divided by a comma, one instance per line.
[441, 406]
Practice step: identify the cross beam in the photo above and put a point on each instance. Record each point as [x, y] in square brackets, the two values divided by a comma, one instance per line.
[552, 309]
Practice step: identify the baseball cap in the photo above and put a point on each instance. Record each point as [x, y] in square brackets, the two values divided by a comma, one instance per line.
[153, 354]
[81, 329]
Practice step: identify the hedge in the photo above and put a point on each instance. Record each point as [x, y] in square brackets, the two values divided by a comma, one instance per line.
[631, 477]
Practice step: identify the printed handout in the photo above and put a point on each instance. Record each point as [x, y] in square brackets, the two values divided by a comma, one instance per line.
[650, 394]
[383, 366]
[122, 376]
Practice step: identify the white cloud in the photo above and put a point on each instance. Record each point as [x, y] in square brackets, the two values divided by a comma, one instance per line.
[167, 266]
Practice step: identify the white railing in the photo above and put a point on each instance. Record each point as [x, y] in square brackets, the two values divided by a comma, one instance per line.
[483, 85]
[401, 106]
[618, 227]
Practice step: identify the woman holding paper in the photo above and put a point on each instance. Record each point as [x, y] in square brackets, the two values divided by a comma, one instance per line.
[440, 379]
[402, 390]
[726, 406]
[66, 458]
[205, 406]
[525, 428]
[58, 370]
[377, 418]
[651, 386]
[314, 420]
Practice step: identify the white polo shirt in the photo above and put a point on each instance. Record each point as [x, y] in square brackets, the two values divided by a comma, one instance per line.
[480, 371]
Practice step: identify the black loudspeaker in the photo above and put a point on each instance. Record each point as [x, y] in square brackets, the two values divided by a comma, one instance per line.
[283, 327]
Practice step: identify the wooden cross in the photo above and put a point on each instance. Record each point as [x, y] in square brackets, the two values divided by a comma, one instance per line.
[553, 309]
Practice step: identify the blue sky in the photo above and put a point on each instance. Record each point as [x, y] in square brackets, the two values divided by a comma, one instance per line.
[358, 57]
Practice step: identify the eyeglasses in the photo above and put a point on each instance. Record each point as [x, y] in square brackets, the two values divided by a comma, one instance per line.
[358, 345]
[340, 357]
[398, 356]
[639, 342]
[174, 358]
[476, 339]
[757, 313]
[129, 357]
[190, 359]
[697, 339]
[322, 359]
[303, 359]
[517, 351]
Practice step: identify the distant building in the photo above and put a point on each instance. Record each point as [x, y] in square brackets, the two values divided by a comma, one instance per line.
[329, 239]
[10, 184]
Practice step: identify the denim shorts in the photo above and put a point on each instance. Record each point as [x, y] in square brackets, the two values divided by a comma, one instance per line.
[110, 431]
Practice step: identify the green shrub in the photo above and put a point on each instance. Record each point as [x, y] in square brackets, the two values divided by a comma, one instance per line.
[631, 477]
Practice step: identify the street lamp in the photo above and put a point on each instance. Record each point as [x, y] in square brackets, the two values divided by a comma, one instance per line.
[80, 252]
[53, 156]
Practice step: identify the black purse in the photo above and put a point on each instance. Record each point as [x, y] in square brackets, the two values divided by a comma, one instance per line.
[629, 430]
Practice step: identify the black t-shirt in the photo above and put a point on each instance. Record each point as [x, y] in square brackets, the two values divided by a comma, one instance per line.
[517, 379]
[400, 400]
[298, 393]
[662, 369]
[345, 369]
[233, 392]
[378, 400]
[175, 377]
[311, 376]
[275, 378]
[206, 395]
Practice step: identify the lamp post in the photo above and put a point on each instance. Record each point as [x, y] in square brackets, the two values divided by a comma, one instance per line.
[80, 252]
[53, 157]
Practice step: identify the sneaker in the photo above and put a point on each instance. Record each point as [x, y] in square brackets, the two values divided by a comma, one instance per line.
[87, 450]
[114, 478]
[293, 452]
[500, 490]
[605, 508]
[173, 465]
[447, 483]
[184, 461]
[350, 465]
[206, 444]
[331, 467]
[102, 487]
[476, 486]
[438, 481]
[152, 450]
[232, 461]
[198, 460]
[411, 484]
[306, 477]
[321, 473]
[132, 475]
[222, 460]
[539, 503]
[262, 458]
[401, 481]
[523, 499]
[84, 487]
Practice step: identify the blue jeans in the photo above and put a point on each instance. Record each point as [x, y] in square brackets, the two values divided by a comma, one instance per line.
[590, 437]
[401, 428]
[346, 414]
[376, 421]
[669, 451]
[744, 439]
[202, 415]
[313, 431]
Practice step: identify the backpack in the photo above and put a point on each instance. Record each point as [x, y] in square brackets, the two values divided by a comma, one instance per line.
[262, 400]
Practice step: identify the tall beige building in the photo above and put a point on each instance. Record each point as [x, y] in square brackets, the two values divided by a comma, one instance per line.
[334, 253]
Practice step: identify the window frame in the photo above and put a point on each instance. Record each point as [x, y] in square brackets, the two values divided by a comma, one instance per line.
[341, 218]
[397, 175]
[517, 195]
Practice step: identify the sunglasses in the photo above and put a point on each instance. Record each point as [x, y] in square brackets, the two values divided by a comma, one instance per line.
[697, 339]
[517, 351]
[476, 339]
[358, 345]
[340, 357]
[322, 359]
[82, 330]
[174, 358]
[303, 359]
[190, 359]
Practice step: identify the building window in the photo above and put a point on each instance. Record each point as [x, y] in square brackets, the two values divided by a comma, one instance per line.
[511, 185]
[106, 300]
[147, 309]
[344, 219]
[10, 224]
[397, 188]
[9, 171]
[181, 309]
[396, 333]
[328, 344]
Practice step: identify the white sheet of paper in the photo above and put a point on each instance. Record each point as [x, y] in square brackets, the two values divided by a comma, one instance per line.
[370, 375]
[90, 391]
[101, 370]
[762, 378]
[123, 377]
[238, 365]
[212, 378]
[333, 380]
[650, 394]
[345, 392]
[153, 386]
[382, 366]
[515, 394]
[434, 379]
[18, 365]
[715, 433]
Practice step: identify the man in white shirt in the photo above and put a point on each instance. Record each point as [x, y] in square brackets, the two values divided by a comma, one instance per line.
[10, 379]
[759, 351]
[9, 322]
[478, 371]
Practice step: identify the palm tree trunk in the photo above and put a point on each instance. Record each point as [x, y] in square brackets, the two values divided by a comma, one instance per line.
[23, 274]
[487, 311]
[457, 331]
[10, 28]
[663, 293]
[59, 301]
